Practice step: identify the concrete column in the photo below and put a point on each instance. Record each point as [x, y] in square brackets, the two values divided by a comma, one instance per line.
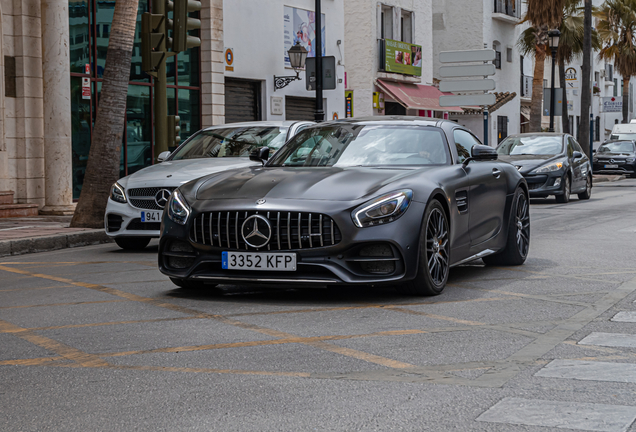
[57, 108]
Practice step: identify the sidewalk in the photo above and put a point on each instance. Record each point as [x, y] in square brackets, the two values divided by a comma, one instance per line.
[44, 233]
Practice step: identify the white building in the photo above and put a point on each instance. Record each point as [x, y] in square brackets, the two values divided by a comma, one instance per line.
[256, 36]
[479, 24]
[389, 66]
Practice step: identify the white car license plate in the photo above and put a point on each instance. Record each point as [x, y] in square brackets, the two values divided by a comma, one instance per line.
[258, 261]
[611, 166]
[151, 216]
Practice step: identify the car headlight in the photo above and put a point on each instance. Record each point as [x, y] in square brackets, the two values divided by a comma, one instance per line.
[382, 210]
[554, 166]
[117, 193]
[630, 160]
[595, 160]
[178, 208]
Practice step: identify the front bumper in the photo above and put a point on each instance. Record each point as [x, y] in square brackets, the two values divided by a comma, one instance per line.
[347, 262]
[543, 185]
[124, 220]
[622, 169]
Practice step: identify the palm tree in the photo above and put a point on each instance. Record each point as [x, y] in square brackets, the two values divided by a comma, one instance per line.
[543, 15]
[617, 29]
[102, 169]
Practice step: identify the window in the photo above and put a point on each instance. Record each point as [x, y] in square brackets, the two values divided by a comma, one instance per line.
[597, 129]
[615, 87]
[407, 26]
[509, 55]
[395, 23]
[386, 26]
[502, 128]
[596, 77]
[497, 61]
[464, 142]
[570, 147]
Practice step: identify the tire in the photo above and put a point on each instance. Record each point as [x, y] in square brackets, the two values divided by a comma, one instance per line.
[587, 193]
[518, 241]
[191, 285]
[434, 253]
[132, 243]
[632, 175]
[567, 190]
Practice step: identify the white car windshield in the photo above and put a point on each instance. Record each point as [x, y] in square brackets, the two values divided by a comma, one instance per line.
[531, 145]
[623, 136]
[364, 145]
[231, 142]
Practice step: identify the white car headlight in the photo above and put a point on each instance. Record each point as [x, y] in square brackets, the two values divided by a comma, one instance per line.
[117, 193]
[629, 160]
[554, 166]
[382, 210]
[178, 208]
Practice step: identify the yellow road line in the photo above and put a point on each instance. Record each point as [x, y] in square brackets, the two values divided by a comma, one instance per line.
[35, 288]
[434, 316]
[63, 304]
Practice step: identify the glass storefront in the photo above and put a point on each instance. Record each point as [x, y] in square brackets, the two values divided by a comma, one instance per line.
[90, 25]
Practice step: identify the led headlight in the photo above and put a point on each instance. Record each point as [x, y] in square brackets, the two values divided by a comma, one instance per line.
[178, 208]
[595, 159]
[555, 166]
[629, 160]
[382, 210]
[117, 193]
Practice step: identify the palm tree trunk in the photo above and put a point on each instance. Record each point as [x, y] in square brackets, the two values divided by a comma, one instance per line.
[564, 115]
[102, 169]
[537, 90]
[626, 99]
[586, 75]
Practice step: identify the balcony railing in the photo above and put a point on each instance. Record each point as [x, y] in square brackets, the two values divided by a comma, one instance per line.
[508, 7]
[526, 86]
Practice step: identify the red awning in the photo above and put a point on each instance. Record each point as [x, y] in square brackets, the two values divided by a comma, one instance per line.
[416, 96]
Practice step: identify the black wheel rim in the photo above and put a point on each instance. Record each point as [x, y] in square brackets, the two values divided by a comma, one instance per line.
[437, 247]
[566, 188]
[522, 220]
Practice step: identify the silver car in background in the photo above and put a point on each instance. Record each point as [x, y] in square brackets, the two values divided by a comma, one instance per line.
[136, 202]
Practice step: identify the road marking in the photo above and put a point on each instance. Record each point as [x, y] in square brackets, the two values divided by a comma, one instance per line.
[610, 340]
[558, 414]
[35, 288]
[589, 371]
[629, 317]
[63, 304]
[434, 316]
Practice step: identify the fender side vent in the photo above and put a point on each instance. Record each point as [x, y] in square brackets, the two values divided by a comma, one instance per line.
[461, 198]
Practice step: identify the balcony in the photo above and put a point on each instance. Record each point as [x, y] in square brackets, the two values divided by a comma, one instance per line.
[507, 10]
[526, 86]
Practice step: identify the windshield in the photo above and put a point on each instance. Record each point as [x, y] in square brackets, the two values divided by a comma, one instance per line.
[231, 142]
[364, 145]
[617, 147]
[623, 136]
[531, 145]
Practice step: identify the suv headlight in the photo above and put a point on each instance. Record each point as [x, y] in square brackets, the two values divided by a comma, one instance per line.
[554, 166]
[382, 210]
[629, 160]
[178, 208]
[117, 193]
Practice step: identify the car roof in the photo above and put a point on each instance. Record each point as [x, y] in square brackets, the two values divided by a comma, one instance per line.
[285, 124]
[554, 134]
[393, 120]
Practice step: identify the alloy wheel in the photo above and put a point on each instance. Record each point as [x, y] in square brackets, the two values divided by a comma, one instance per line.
[522, 220]
[588, 186]
[437, 246]
[566, 188]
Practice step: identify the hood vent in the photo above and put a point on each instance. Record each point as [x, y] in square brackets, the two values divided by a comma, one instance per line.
[461, 198]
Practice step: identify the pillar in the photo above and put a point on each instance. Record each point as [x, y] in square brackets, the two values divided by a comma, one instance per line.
[57, 108]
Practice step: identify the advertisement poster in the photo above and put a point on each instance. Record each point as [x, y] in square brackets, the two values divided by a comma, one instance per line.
[300, 26]
[612, 104]
[402, 57]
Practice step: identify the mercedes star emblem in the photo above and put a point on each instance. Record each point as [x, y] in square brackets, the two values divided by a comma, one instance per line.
[260, 201]
[611, 160]
[256, 231]
[162, 197]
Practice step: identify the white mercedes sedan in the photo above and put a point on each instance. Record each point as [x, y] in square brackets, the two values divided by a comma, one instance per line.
[135, 207]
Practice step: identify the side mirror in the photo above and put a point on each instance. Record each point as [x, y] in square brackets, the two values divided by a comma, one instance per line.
[481, 153]
[577, 155]
[163, 156]
[593, 150]
[260, 154]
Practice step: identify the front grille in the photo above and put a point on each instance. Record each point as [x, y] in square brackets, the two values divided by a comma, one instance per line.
[137, 224]
[144, 198]
[536, 182]
[114, 222]
[534, 186]
[290, 230]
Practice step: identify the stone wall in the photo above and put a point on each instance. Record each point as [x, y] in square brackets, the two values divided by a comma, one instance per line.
[212, 64]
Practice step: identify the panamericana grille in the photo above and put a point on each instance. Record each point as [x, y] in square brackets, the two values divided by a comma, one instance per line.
[290, 230]
[144, 198]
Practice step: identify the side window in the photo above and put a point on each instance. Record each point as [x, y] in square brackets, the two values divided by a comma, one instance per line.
[576, 145]
[464, 142]
[570, 148]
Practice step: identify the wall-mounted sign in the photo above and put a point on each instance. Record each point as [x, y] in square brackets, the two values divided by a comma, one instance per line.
[229, 59]
[402, 57]
[328, 73]
[612, 104]
[87, 69]
[276, 104]
[86, 88]
[334, 115]
[571, 78]
[299, 25]
[378, 100]
[349, 103]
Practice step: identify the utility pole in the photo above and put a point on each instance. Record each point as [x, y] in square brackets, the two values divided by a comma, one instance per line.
[586, 91]
[319, 115]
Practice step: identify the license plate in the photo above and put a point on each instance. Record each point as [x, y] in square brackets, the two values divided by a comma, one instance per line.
[611, 166]
[151, 216]
[258, 261]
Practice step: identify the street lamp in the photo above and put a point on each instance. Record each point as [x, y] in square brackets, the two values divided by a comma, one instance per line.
[553, 36]
[297, 57]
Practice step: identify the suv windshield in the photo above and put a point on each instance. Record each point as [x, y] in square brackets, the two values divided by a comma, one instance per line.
[623, 136]
[231, 142]
[531, 145]
[617, 147]
[364, 145]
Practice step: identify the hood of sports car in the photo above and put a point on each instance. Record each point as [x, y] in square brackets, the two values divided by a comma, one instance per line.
[181, 171]
[329, 183]
[527, 163]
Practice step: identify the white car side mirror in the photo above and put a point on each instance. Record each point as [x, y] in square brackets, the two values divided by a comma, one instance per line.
[163, 156]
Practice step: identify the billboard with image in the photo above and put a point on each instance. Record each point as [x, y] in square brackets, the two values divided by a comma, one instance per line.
[402, 57]
[300, 26]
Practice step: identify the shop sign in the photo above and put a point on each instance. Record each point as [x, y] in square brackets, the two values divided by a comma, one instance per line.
[612, 104]
[299, 25]
[349, 103]
[402, 57]
[87, 69]
[276, 104]
[86, 88]
[571, 78]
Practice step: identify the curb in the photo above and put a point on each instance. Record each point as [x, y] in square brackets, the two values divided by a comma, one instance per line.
[603, 179]
[53, 242]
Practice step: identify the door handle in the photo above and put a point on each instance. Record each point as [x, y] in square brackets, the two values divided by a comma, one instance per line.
[496, 173]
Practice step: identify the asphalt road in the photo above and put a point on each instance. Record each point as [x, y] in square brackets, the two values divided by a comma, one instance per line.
[95, 339]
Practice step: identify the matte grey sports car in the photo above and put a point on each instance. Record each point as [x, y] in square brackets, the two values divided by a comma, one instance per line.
[396, 200]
